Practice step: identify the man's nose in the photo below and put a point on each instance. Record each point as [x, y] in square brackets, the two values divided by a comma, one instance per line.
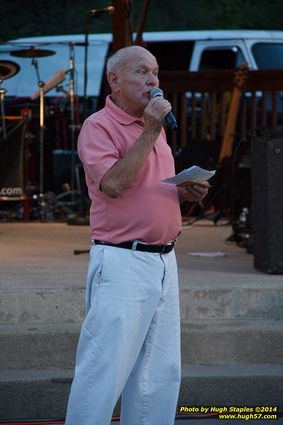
[153, 79]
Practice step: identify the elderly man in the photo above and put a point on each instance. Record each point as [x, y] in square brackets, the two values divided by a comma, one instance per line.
[130, 338]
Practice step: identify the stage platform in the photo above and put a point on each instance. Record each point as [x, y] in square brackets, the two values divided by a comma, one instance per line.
[231, 319]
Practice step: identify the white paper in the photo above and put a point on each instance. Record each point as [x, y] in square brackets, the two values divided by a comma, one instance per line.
[194, 173]
[208, 254]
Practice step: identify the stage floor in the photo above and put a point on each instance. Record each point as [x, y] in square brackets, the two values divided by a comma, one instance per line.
[36, 254]
[28, 247]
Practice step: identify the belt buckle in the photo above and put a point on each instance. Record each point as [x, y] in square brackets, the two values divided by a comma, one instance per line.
[167, 248]
[164, 248]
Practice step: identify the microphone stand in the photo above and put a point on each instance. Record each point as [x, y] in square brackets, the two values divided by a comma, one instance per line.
[86, 44]
[87, 21]
[41, 140]
[72, 192]
[73, 125]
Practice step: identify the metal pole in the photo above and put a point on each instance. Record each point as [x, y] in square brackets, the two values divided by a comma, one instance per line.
[72, 125]
[41, 150]
[2, 95]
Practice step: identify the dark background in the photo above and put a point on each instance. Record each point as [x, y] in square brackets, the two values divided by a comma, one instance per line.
[20, 18]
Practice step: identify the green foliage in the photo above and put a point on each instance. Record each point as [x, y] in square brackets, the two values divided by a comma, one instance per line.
[211, 14]
[22, 18]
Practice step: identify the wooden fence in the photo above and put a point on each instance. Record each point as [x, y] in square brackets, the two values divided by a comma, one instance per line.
[203, 103]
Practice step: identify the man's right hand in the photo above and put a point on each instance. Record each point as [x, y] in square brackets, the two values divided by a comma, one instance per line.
[154, 114]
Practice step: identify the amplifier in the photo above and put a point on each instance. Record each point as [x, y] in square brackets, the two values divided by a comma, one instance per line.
[267, 203]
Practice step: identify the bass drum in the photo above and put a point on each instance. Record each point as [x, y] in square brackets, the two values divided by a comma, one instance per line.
[12, 180]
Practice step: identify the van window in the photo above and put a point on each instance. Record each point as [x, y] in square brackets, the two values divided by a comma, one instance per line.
[224, 58]
[268, 55]
[172, 55]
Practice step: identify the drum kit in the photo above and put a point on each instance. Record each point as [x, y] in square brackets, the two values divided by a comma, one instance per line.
[9, 69]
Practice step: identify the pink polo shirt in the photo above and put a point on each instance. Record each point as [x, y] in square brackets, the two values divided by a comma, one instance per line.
[149, 209]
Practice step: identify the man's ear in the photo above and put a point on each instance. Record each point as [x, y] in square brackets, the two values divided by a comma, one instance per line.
[113, 80]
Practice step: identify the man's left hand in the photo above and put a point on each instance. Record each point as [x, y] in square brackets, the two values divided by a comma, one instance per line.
[193, 192]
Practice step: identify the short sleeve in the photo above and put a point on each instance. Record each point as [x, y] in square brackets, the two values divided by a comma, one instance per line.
[96, 149]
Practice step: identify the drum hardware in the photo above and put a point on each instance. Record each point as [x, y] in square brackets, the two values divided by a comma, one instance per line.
[60, 89]
[51, 84]
[7, 70]
[21, 120]
[70, 197]
[70, 190]
[41, 137]
[33, 53]
[2, 111]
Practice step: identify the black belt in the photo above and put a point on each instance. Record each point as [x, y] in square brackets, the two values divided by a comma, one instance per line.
[139, 246]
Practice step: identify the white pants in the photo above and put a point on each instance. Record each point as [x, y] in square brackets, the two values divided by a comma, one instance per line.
[130, 340]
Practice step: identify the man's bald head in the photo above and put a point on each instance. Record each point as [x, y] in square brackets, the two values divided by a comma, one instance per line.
[132, 72]
[122, 57]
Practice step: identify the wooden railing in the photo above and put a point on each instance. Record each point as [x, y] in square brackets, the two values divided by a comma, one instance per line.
[201, 102]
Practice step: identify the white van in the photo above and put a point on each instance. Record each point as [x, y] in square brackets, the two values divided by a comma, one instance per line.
[175, 50]
[60, 50]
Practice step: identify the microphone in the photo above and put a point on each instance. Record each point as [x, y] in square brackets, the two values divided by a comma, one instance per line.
[169, 118]
[99, 12]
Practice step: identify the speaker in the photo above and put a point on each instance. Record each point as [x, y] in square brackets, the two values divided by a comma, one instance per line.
[267, 203]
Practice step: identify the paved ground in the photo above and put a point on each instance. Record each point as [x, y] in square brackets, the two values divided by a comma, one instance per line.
[38, 267]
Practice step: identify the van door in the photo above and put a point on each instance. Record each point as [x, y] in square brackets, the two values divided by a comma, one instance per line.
[219, 54]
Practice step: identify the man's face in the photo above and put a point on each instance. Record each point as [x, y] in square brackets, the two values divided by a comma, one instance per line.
[136, 77]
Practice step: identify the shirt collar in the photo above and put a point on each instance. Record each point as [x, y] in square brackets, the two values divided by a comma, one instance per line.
[119, 114]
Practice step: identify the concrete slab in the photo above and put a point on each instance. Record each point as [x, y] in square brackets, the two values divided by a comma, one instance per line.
[36, 393]
[232, 318]
[40, 275]
[203, 342]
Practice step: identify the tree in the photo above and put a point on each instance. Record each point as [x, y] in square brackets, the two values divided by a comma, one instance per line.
[23, 18]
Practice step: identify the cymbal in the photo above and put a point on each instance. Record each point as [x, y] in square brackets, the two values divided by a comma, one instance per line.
[8, 69]
[32, 53]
